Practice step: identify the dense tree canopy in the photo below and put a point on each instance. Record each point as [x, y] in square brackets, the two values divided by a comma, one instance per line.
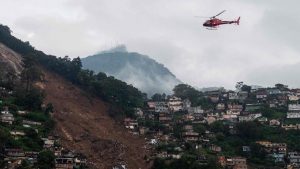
[246, 88]
[249, 130]
[158, 97]
[196, 97]
[45, 160]
[185, 91]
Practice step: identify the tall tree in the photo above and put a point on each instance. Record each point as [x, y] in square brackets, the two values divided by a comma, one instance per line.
[157, 97]
[246, 88]
[30, 73]
[185, 91]
[45, 160]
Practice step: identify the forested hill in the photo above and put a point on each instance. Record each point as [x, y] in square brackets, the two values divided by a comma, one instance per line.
[124, 96]
[139, 70]
[67, 103]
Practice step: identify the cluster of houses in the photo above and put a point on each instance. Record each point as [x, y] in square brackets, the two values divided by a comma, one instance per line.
[233, 162]
[64, 159]
[8, 118]
[279, 152]
[294, 111]
[164, 117]
[16, 122]
[231, 107]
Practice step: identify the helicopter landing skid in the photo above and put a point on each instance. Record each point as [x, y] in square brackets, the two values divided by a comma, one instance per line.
[212, 29]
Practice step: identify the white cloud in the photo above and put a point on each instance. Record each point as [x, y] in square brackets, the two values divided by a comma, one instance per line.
[168, 32]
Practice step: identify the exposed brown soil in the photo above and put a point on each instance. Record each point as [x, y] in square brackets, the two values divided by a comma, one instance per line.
[83, 124]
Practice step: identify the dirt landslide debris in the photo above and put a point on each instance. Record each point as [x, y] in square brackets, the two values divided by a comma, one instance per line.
[84, 125]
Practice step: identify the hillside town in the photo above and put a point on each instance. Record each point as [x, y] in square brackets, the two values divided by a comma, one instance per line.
[28, 139]
[174, 126]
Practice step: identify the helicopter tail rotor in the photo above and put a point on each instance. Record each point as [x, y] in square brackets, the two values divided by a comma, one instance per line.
[238, 21]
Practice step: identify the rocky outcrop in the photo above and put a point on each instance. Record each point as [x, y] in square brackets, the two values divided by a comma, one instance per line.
[10, 61]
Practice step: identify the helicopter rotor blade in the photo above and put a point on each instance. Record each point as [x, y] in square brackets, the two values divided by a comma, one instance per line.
[219, 14]
[201, 17]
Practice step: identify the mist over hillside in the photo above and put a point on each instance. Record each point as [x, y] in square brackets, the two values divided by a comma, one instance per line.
[139, 70]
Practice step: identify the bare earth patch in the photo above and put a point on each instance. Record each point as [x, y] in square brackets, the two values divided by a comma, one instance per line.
[84, 125]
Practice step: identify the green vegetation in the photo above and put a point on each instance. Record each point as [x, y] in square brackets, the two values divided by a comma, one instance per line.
[250, 132]
[108, 88]
[159, 97]
[231, 137]
[273, 113]
[24, 165]
[185, 91]
[24, 96]
[46, 160]
[187, 161]
[196, 97]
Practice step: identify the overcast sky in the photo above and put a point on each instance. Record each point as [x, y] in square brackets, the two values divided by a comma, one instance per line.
[263, 50]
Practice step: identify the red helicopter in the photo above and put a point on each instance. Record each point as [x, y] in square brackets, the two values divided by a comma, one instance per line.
[214, 22]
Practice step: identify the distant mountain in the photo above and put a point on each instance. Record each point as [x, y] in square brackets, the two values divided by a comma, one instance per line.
[139, 70]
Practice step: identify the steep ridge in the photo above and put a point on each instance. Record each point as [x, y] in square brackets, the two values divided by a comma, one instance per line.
[84, 125]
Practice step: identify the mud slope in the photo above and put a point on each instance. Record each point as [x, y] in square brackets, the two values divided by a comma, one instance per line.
[84, 125]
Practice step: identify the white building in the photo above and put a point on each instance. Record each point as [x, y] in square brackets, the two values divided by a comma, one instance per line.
[261, 94]
[294, 107]
[7, 117]
[175, 104]
[22, 112]
[294, 157]
[293, 115]
[273, 91]
[250, 117]
[161, 107]
[220, 106]
[229, 116]
[17, 133]
[196, 110]
[293, 98]
[235, 107]
[231, 112]
[274, 122]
